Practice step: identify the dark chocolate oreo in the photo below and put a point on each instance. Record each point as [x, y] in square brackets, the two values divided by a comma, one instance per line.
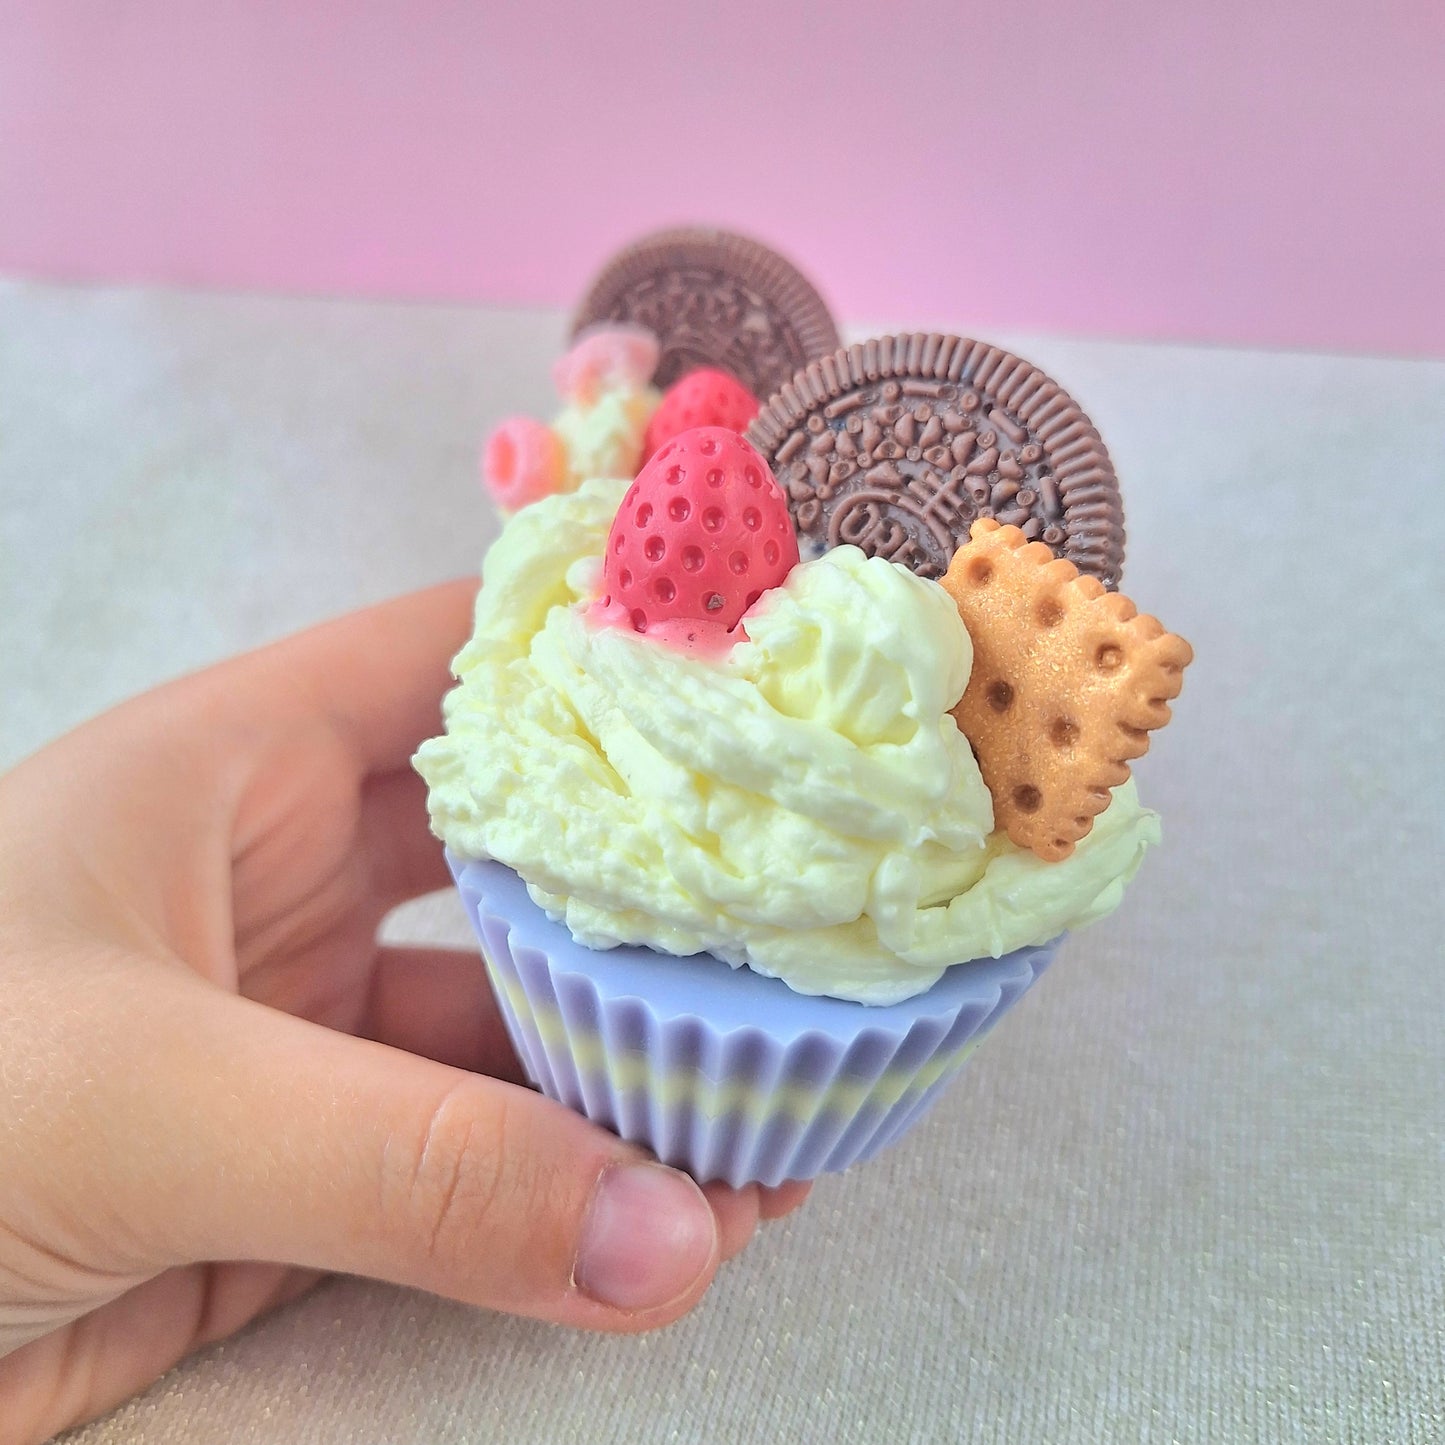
[714, 299]
[898, 445]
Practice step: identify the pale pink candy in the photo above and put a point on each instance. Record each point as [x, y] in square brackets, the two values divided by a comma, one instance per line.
[606, 356]
[522, 462]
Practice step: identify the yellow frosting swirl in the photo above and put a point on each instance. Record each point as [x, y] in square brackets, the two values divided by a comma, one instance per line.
[603, 438]
[804, 804]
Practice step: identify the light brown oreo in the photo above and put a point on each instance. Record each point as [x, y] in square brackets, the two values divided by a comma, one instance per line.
[898, 445]
[1067, 683]
[716, 299]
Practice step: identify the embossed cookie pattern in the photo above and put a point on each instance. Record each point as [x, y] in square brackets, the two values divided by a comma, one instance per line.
[714, 299]
[898, 445]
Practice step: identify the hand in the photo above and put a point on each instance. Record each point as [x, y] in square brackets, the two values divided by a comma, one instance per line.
[205, 1056]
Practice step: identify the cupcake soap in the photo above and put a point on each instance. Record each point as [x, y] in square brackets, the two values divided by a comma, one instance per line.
[737, 871]
[778, 766]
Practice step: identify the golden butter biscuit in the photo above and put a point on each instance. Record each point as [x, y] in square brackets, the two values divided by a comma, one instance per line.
[1068, 682]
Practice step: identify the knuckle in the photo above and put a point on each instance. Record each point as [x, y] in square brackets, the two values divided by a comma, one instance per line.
[449, 1183]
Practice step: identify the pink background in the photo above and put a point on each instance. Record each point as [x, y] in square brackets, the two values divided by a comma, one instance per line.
[1265, 171]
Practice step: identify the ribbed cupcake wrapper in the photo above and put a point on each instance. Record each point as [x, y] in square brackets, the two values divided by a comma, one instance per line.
[720, 1071]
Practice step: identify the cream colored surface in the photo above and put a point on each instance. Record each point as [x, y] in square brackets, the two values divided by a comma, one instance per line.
[803, 804]
[1194, 1192]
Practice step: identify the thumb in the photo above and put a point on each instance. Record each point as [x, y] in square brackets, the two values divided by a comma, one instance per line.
[314, 1148]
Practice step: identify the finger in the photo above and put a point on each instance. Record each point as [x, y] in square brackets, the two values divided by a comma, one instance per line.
[737, 1212]
[404, 858]
[377, 676]
[437, 1002]
[374, 677]
[321, 1150]
[74, 1374]
[351, 697]
[784, 1198]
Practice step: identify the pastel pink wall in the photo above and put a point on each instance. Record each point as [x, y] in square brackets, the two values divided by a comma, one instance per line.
[1265, 171]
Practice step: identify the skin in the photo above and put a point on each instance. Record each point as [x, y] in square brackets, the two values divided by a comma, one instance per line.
[218, 1087]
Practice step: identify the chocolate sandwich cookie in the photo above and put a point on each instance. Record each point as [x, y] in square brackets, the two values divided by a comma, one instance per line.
[714, 299]
[900, 444]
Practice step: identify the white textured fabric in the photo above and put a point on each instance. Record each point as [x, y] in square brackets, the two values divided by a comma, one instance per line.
[1194, 1190]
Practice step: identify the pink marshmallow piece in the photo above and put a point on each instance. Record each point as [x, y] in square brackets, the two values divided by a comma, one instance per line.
[618, 355]
[522, 462]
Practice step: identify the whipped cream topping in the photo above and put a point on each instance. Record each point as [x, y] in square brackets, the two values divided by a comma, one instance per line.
[803, 804]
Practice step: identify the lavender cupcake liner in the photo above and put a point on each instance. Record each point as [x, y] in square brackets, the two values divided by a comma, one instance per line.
[719, 1071]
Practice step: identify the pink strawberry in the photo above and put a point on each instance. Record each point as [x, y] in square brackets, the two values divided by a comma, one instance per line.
[702, 533]
[701, 398]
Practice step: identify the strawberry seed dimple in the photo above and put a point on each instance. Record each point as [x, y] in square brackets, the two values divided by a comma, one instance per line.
[704, 524]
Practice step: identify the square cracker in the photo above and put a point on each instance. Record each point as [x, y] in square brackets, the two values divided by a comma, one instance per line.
[1068, 682]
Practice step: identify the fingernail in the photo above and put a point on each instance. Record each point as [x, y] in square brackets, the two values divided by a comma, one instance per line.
[648, 1235]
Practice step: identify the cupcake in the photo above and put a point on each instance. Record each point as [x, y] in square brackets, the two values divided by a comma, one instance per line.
[761, 840]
